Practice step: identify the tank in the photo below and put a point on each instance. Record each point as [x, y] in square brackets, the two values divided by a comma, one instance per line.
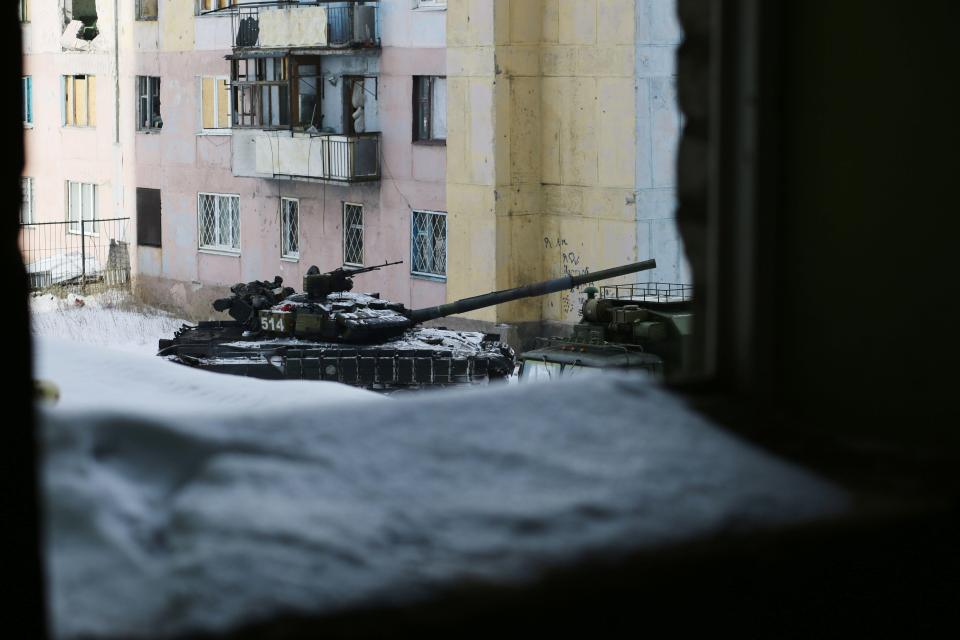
[633, 326]
[330, 332]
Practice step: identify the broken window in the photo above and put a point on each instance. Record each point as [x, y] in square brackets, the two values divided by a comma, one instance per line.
[82, 207]
[262, 90]
[428, 243]
[429, 108]
[290, 228]
[352, 234]
[79, 101]
[148, 217]
[218, 222]
[146, 9]
[26, 201]
[27, 100]
[148, 103]
[84, 11]
[214, 103]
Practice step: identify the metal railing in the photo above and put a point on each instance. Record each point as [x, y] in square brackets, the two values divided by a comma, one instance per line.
[350, 23]
[76, 253]
[351, 159]
[648, 292]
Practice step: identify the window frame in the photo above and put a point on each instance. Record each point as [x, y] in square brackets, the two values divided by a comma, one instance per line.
[221, 4]
[420, 103]
[91, 113]
[27, 200]
[23, 11]
[27, 101]
[68, 201]
[138, 12]
[429, 5]
[219, 249]
[152, 82]
[225, 130]
[292, 256]
[362, 227]
[430, 275]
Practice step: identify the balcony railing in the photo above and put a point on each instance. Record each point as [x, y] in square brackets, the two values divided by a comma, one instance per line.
[319, 24]
[334, 157]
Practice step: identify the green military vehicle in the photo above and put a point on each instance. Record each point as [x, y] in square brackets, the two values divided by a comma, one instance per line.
[643, 326]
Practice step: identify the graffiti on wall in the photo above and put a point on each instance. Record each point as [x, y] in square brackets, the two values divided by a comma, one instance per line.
[568, 263]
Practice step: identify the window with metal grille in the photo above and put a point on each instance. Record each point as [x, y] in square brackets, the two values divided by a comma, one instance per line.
[82, 207]
[148, 103]
[27, 99]
[429, 109]
[26, 201]
[218, 222]
[290, 228]
[148, 217]
[79, 101]
[146, 9]
[352, 233]
[428, 244]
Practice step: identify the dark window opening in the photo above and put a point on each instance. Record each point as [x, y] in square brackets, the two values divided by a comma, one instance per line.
[429, 109]
[148, 217]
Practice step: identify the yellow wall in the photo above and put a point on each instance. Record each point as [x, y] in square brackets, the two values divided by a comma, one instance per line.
[176, 24]
[541, 146]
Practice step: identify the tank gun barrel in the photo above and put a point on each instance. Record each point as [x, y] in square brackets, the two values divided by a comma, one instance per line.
[526, 291]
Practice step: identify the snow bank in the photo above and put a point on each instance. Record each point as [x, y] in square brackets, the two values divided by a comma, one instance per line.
[161, 521]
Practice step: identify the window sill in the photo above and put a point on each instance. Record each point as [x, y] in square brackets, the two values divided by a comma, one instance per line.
[229, 253]
[153, 19]
[149, 246]
[89, 234]
[431, 143]
[428, 276]
[149, 131]
[28, 125]
[213, 132]
[429, 8]
[289, 258]
[352, 264]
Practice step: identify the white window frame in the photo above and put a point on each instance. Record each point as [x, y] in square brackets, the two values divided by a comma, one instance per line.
[143, 18]
[216, 131]
[432, 275]
[361, 227]
[218, 248]
[74, 225]
[285, 252]
[27, 206]
[152, 84]
[63, 101]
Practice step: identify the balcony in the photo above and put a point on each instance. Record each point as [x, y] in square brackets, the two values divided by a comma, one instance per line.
[328, 157]
[351, 24]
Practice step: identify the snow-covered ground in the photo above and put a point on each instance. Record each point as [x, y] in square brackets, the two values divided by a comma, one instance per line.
[180, 500]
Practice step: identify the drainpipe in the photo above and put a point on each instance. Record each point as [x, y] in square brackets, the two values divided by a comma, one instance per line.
[116, 72]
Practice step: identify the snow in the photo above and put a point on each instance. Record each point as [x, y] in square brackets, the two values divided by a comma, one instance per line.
[180, 501]
[65, 266]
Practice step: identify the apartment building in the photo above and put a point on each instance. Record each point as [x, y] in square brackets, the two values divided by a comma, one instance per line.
[246, 139]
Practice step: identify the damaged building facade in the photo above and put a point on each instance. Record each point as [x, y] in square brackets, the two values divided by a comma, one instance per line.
[247, 139]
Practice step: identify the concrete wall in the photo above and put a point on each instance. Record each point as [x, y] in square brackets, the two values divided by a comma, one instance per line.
[659, 123]
[543, 147]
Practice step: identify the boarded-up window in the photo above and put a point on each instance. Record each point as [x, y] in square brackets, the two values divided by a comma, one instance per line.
[80, 101]
[215, 103]
[148, 217]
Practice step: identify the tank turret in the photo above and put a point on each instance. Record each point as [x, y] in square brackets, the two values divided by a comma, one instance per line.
[331, 332]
